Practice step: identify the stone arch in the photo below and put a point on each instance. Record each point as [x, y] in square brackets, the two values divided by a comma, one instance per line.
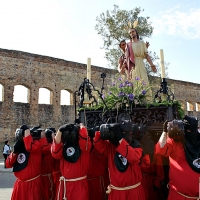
[198, 106]
[66, 97]
[21, 93]
[190, 106]
[1, 92]
[45, 96]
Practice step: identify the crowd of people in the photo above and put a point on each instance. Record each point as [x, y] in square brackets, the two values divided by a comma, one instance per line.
[106, 162]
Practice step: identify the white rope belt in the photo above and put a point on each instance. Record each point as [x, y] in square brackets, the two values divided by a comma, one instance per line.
[122, 188]
[31, 178]
[47, 174]
[197, 198]
[62, 178]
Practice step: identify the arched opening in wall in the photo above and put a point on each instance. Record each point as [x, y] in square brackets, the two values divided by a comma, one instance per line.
[198, 106]
[1, 92]
[21, 94]
[45, 96]
[64, 97]
[190, 107]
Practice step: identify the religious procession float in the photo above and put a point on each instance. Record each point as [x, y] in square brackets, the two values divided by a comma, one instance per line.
[122, 100]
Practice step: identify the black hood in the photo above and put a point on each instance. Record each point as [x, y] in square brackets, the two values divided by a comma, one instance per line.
[192, 142]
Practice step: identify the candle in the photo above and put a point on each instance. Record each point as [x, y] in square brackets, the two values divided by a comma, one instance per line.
[89, 69]
[162, 64]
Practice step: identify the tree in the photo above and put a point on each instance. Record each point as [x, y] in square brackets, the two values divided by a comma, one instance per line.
[113, 25]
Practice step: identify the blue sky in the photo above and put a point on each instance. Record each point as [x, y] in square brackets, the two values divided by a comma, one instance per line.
[65, 29]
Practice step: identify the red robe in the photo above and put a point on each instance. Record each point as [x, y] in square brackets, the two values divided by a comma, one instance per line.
[98, 178]
[130, 177]
[152, 174]
[56, 175]
[31, 189]
[46, 172]
[74, 189]
[182, 178]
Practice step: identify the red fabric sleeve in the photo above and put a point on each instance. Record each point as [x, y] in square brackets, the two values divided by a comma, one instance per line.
[31, 145]
[166, 150]
[84, 140]
[102, 146]
[145, 164]
[11, 159]
[46, 148]
[131, 154]
[57, 150]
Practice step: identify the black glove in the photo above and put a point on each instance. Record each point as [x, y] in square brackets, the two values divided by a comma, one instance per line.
[165, 126]
[24, 127]
[34, 128]
[48, 133]
[117, 133]
[52, 129]
[77, 121]
[91, 131]
[17, 146]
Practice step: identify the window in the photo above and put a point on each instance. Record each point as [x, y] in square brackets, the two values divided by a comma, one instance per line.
[190, 107]
[198, 106]
[1, 93]
[45, 96]
[21, 94]
[64, 97]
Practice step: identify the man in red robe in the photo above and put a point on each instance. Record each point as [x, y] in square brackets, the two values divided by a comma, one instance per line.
[26, 161]
[183, 178]
[47, 166]
[72, 147]
[98, 177]
[56, 176]
[151, 165]
[124, 156]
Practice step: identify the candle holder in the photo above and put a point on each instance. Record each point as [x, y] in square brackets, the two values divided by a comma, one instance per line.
[164, 93]
[85, 93]
[103, 76]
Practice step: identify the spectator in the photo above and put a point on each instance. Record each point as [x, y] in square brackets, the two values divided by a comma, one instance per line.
[6, 151]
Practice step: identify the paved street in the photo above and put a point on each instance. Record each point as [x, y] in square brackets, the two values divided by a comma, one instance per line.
[7, 180]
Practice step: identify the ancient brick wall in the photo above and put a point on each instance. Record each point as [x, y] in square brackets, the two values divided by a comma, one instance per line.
[36, 71]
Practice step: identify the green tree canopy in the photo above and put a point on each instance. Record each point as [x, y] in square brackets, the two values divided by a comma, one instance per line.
[113, 27]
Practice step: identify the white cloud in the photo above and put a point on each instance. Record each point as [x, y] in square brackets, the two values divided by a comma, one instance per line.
[178, 23]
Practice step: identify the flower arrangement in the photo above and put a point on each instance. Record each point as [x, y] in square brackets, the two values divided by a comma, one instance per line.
[122, 93]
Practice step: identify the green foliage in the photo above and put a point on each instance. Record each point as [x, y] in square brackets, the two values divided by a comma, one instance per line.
[122, 94]
[112, 26]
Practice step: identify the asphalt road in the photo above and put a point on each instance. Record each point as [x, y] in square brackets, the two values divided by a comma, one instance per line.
[7, 180]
